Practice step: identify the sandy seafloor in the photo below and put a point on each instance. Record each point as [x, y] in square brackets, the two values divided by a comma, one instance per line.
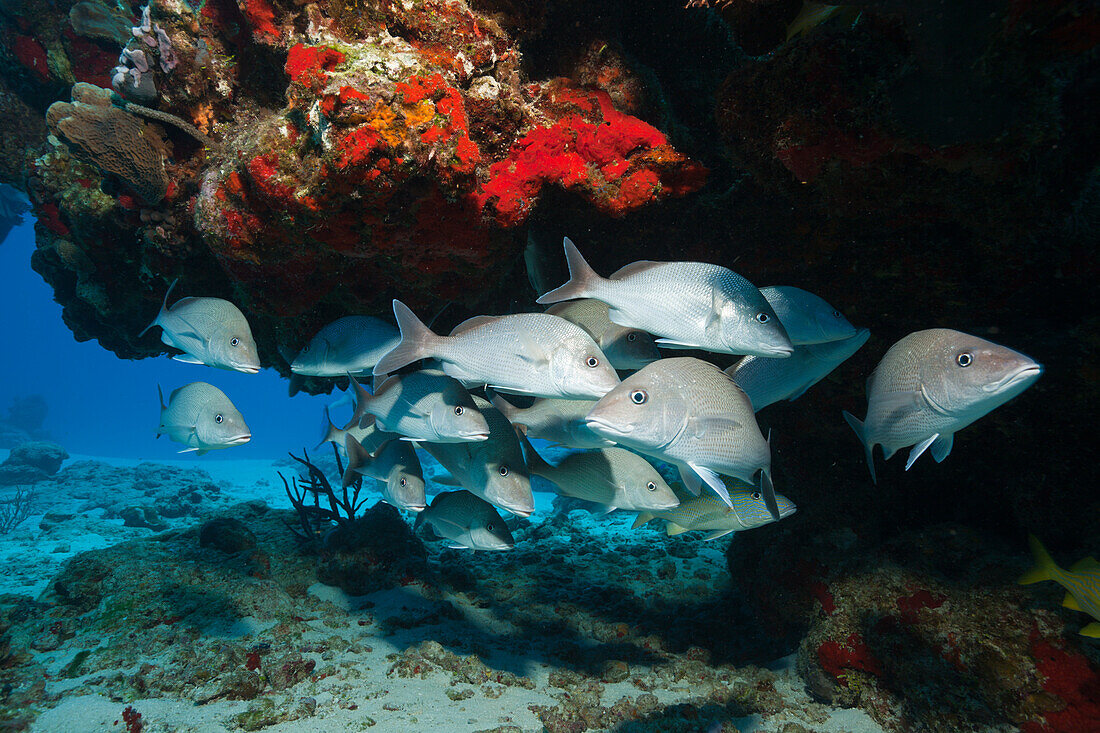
[392, 660]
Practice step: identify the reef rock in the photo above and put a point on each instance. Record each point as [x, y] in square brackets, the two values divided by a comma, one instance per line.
[314, 161]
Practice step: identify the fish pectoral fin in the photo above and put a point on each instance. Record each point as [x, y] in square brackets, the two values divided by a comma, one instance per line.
[187, 359]
[713, 480]
[1091, 630]
[941, 448]
[716, 534]
[700, 426]
[672, 529]
[1071, 603]
[673, 344]
[896, 405]
[920, 448]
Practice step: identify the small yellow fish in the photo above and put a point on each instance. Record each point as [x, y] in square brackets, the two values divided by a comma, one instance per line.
[1082, 583]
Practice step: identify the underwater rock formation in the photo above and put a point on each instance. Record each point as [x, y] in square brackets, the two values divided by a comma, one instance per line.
[358, 156]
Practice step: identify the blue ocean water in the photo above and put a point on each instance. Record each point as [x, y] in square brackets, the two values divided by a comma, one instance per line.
[105, 406]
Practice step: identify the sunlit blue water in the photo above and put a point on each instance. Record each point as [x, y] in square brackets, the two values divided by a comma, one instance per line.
[102, 405]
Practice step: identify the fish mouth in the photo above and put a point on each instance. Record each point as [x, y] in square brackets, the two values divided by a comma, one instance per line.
[239, 439]
[787, 512]
[522, 513]
[600, 425]
[419, 508]
[474, 437]
[1023, 374]
[248, 368]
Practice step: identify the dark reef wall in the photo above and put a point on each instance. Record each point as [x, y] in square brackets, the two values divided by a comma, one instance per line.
[918, 164]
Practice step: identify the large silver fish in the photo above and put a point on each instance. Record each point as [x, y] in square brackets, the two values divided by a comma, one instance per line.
[807, 317]
[557, 421]
[626, 348]
[468, 521]
[394, 464]
[493, 469]
[933, 383]
[709, 513]
[348, 345]
[689, 412]
[200, 416]
[423, 405]
[767, 381]
[614, 478]
[526, 353]
[209, 331]
[688, 305]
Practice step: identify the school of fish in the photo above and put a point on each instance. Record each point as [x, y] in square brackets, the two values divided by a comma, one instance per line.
[591, 378]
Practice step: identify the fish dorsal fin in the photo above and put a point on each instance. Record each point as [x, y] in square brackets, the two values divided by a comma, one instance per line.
[633, 269]
[471, 323]
[1085, 564]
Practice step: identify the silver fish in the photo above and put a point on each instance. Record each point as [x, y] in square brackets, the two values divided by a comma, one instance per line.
[348, 345]
[688, 305]
[626, 348]
[526, 353]
[200, 416]
[209, 331]
[933, 383]
[423, 405]
[707, 512]
[394, 464]
[468, 521]
[767, 381]
[615, 478]
[493, 469]
[688, 412]
[807, 317]
[557, 421]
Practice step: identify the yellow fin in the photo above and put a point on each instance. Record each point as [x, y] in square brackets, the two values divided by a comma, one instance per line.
[672, 528]
[1044, 567]
[1071, 603]
[1092, 630]
[1085, 563]
[643, 517]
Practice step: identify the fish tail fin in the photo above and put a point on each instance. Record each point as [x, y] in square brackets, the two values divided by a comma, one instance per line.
[329, 432]
[417, 341]
[642, 518]
[362, 401]
[536, 464]
[582, 278]
[857, 425]
[358, 458]
[163, 308]
[767, 491]
[1044, 568]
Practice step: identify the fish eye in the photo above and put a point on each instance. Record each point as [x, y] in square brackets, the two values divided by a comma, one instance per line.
[404, 482]
[836, 314]
[490, 526]
[964, 359]
[756, 495]
[639, 397]
[235, 341]
[218, 418]
[459, 410]
[592, 362]
[632, 337]
[763, 317]
[651, 486]
[503, 470]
